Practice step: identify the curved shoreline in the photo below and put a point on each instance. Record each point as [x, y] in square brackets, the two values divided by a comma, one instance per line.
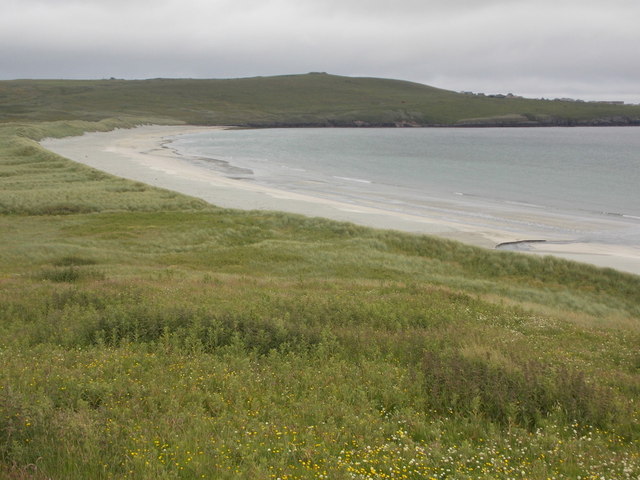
[143, 154]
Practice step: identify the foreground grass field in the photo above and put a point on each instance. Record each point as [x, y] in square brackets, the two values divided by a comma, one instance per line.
[148, 335]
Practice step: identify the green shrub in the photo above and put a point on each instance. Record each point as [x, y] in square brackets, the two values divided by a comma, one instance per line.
[69, 274]
[73, 261]
[523, 394]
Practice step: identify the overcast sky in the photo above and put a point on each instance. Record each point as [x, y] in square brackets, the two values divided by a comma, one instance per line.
[537, 48]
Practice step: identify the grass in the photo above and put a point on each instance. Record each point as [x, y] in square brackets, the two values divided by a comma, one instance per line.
[145, 334]
[289, 100]
[37, 182]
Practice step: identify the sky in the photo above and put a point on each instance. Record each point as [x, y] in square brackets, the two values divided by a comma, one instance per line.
[586, 49]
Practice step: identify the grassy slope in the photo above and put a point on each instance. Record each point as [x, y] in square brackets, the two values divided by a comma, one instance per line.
[313, 99]
[145, 334]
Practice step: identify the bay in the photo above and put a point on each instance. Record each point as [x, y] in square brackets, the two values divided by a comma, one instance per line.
[483, 173]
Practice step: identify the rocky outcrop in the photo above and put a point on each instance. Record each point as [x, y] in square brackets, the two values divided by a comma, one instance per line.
[548, 121]
[472, 123]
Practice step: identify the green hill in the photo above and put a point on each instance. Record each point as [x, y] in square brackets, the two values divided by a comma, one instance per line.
[292, 100]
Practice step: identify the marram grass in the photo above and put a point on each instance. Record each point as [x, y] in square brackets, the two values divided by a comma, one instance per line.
[147, 335]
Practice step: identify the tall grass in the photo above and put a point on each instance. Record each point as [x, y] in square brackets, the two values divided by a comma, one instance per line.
[522, 394]
[140, 376]
[155, 336]
[34, 181]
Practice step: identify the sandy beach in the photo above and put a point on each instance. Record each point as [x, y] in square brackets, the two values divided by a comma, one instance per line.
[142, 154]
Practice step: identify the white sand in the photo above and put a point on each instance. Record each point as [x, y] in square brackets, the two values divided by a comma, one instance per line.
[140, 154]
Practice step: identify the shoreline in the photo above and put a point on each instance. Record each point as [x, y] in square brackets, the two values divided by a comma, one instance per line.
[143, 154]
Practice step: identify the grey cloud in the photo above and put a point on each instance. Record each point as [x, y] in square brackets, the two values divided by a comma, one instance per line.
[457, 44]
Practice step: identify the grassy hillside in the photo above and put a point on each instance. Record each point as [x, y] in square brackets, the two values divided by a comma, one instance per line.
[148, 335]
[294, 100]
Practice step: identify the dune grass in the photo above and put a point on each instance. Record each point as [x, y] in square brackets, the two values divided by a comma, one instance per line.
[34, 181]
[145, 334]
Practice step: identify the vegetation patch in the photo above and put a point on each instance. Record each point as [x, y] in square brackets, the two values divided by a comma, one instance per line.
[70, 273]
[149, 335]
[523, 394]
[73, 261]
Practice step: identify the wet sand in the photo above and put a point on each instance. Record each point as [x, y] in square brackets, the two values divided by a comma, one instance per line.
[142, 154]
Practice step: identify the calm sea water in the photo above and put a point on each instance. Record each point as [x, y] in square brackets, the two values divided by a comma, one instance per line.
[579, 171]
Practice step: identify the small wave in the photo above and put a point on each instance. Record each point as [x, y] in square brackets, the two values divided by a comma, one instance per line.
[523, 204]
[293, 169]
[621, 215]
[495, 199]
[473, 195]
[349, 179]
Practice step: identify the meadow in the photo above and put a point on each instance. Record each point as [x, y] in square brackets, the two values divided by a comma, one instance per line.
[148, 335]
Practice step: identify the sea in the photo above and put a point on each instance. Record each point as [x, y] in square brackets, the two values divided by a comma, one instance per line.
[482, 175]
